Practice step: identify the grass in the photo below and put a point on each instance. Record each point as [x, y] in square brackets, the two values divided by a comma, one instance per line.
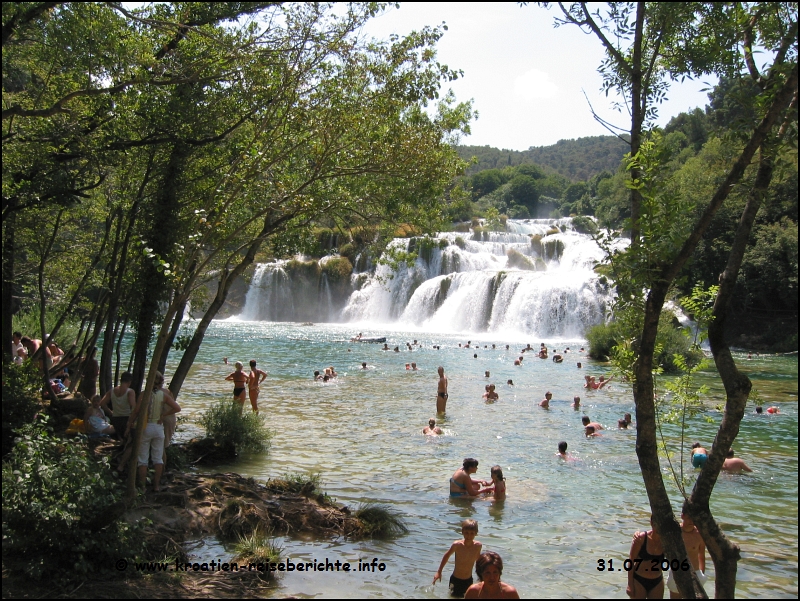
[256, 548]
[380, 521]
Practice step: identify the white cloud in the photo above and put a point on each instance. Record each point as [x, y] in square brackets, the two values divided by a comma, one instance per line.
[535, 84]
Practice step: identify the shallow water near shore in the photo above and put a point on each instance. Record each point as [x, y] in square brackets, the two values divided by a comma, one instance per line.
[362, 433]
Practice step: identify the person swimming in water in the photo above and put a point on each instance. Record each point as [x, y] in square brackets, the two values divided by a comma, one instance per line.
[498, 486]
[545, 404]
[432, 429]
[734, 464]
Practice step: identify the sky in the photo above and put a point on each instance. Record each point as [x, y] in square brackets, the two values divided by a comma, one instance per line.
[527, 79]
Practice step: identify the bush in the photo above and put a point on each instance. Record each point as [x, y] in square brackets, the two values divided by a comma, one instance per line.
[229, 426]
[602, 338]
[257, 548]
[584, 225]
[21, 386]
[61, 509]
[338, 269]
[460, 243]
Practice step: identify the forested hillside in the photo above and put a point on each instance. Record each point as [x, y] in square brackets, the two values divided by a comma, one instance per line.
[576, 160]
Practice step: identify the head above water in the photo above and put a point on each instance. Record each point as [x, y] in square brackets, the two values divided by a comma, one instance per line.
[470, 462]
[469, 525]
[488, 559]
[585, 420]
[431, 422]
[497, 472]
[562, 446]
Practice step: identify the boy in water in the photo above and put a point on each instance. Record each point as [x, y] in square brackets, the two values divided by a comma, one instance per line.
[467, 552]
[545, 404]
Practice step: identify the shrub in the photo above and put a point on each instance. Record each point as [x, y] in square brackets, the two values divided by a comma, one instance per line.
[602, 338]
[460, 243]
[584, 225]
[21, 385]
[61, 509]
[338, 269]
[229, 426]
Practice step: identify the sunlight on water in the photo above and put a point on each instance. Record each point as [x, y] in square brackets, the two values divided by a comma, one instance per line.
[363, 434]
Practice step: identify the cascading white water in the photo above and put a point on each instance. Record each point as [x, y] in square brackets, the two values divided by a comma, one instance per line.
[460, 282]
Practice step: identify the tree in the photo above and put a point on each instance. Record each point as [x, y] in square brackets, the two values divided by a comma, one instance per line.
[644, 43]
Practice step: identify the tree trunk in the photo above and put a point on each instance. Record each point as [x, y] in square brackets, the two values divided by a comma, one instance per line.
[8, 283]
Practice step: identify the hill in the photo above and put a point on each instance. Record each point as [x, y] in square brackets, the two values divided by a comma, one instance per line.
[577, 160]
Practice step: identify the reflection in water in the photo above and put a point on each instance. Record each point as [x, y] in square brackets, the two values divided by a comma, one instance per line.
[362, 433]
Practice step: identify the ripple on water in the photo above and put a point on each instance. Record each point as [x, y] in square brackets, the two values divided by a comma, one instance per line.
[362, 433]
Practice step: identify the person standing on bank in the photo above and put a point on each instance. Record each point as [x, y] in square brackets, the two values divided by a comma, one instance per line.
[254, 379]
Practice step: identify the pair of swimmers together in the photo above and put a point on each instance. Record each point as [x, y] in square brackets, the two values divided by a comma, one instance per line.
[462, 484]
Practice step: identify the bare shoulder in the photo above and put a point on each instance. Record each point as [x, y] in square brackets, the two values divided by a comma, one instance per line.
[509, 592]
[474, 591]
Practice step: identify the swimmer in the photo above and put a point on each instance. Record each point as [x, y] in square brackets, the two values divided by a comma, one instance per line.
[486, 374]
[590, 383]
[627, 418]
[492, 395]
[521, 358]
[562, 450]
[695, 551]
[396, 349]
[441, 391]
[408, 366]
[432, 429]
[467, 552]
[516, 362]
[326, 378]
[759, 410]
[385, 347]
[545, 404]
[225, 360]
[699, 455]
[590, 431]
[414, 367]
[587, 422]
[489, 568]
[364, 365]
[558, 358]
[773, 410]
[498, 486]
[734, 465]
[603, 381]
[510, 383]
[579, 365]
[475, 356]
[622, 424]
[576, 403]
[317, 376]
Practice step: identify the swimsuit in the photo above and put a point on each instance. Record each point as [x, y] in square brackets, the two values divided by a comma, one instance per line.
[459, 586]
[238, 391]
[443, 395]
[458, 494]
[699, 459]
[649, 583]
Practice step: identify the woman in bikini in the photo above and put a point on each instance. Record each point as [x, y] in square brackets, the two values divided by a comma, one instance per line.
[239, 379]
[489, 569]
[462, 485]
[646, 581]
[254, 379]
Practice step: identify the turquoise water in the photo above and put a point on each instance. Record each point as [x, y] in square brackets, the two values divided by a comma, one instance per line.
[362, 433]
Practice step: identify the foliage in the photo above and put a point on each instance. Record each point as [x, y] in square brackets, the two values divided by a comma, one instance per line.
[579, 159]
[520, 261]
[61, 509]
[584, 225]
[229, 426]
[380, 521]
[21, 398]
[338, 269]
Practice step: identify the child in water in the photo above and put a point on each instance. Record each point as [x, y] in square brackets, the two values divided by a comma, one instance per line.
[467, 552]
[498, 486]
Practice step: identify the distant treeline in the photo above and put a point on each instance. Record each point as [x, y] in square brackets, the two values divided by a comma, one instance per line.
[576, 160]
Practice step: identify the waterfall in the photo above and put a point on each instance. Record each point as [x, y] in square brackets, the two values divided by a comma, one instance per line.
[535, 278]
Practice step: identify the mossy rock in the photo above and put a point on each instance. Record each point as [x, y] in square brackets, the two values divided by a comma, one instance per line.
[338, 269]
[519, 261]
